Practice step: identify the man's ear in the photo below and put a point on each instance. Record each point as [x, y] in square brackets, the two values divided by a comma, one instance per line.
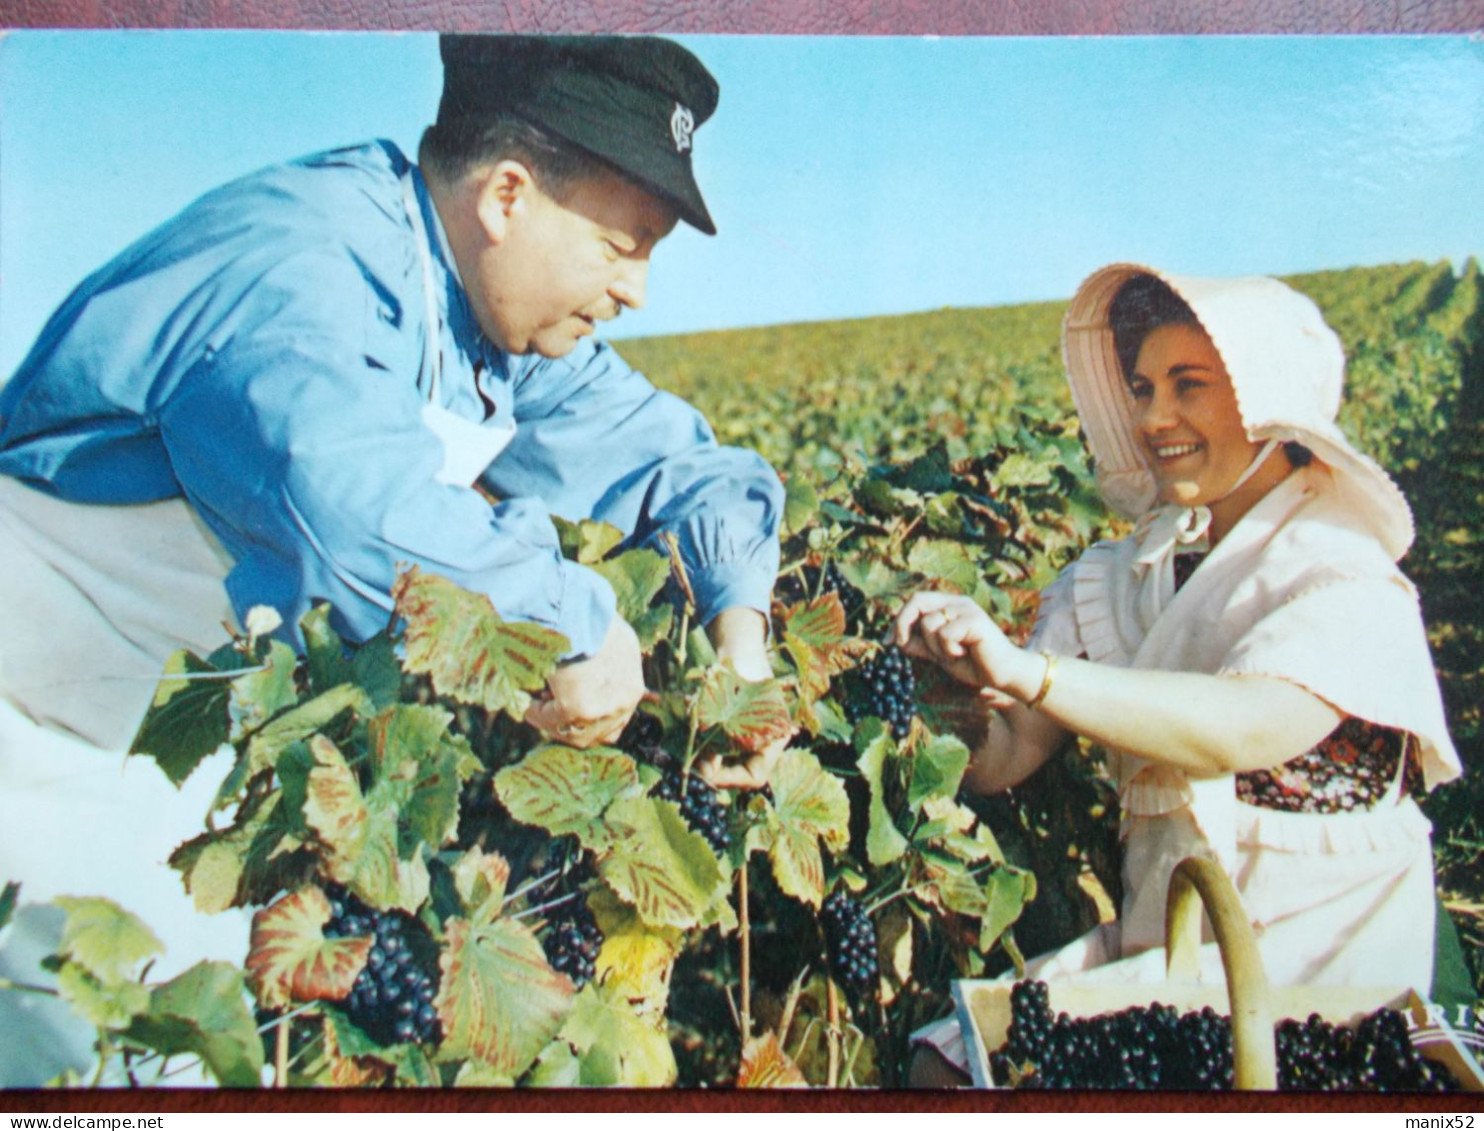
[502, 196]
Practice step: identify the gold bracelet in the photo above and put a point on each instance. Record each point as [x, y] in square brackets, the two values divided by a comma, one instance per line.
[1045, 681]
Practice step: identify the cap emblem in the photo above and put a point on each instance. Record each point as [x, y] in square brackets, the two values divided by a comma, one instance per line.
[682, 125]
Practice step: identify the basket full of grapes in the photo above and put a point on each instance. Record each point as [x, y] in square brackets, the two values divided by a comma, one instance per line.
[1186, 1035]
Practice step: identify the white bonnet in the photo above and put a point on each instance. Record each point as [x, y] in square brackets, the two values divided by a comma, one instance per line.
[1287, 368]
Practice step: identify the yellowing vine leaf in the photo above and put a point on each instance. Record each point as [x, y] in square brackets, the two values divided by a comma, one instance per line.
[656, 863]
[766, 1065]
[636, 959]
[498, 1000]
[884, 841]
[565, 791]
[289, 959]
[810, 807]
[615, 1047]
[104, 939]
[470, 653]
[357, 835]
[480, 878]
[753, 715]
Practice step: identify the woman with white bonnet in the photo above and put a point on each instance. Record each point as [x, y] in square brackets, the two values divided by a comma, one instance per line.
[1251, 656]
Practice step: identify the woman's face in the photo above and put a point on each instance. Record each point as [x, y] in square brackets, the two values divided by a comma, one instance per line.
[1186, 416]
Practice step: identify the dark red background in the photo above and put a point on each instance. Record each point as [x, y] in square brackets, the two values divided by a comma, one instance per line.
[812, 17]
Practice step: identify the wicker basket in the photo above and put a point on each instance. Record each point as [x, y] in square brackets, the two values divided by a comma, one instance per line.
[1199, 883]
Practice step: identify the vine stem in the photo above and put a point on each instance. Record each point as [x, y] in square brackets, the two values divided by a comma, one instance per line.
[540, 907]
[745, 932]
[281, 1057]
[832, 1034]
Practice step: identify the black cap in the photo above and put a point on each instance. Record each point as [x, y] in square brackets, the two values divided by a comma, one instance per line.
[633, 101]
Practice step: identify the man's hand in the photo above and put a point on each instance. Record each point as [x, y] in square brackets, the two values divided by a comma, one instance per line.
[740, 637]
[589, 702]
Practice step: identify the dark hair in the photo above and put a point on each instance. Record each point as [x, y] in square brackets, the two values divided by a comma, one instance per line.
[1142, 304]
[450, 150]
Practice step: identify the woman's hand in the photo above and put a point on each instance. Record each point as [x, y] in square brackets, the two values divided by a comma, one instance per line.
[957, 635]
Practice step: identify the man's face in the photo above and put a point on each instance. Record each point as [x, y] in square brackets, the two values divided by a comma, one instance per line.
[561, 268]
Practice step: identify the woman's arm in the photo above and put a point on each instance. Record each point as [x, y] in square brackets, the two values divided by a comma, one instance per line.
[1203, 724]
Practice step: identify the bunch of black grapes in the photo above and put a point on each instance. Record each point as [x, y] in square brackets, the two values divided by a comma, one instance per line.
[850, 944]
[573, 938]
[392, 998]
[701, 807]
[1158, 1047]
[883, 686]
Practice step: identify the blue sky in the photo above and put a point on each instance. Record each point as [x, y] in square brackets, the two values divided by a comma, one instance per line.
[848, 176]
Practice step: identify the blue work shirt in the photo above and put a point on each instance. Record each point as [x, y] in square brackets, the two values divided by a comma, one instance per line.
[262, 354]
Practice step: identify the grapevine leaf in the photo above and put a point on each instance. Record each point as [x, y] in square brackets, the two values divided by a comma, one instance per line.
[357, 835]
[972, 849]
[498, 1000]
[588, 541]
[941, 560]
[800, 503]
[230, 867]
[1021, 470]
[894, 946]
[880, 498]
[556, 1067]
[1007, 890]
[104, 1005]
[257, 696]
[472, 655]
[203, 1012]
[833, 510]
[104, 939]
[766, 1065]
[324, 651]
[884, 841]
[289, 958]
[814, 637]
[377, 671]
[753, 715]
[615, 1047]
[810, 806]
[937, 769]
[655, 863]
[335, 809]
[877, 580]
[188, 719]
[301, 723]
[417, 762]
[565, 791]
[636, 576]
[481, 878]
[636, 959]
[930, 472]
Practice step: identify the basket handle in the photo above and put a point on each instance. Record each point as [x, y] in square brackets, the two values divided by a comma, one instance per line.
[1254, 1051]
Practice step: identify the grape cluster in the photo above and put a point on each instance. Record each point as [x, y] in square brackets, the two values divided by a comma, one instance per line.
[850, 943]
[701, 807]
[884, 686]
[793, 588]
[1375, 1056]
[572, 940]
[392, 998]
[1158, 1047]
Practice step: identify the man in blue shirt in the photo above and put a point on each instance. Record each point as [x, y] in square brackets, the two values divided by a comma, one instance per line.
[333, 367]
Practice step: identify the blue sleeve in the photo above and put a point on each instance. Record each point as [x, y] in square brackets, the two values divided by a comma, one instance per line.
[300, 440]
[597, 439]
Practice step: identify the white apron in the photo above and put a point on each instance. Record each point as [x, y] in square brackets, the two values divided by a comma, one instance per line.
[94, 600]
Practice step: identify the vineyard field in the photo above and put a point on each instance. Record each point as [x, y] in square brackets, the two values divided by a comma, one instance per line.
[814, 398]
